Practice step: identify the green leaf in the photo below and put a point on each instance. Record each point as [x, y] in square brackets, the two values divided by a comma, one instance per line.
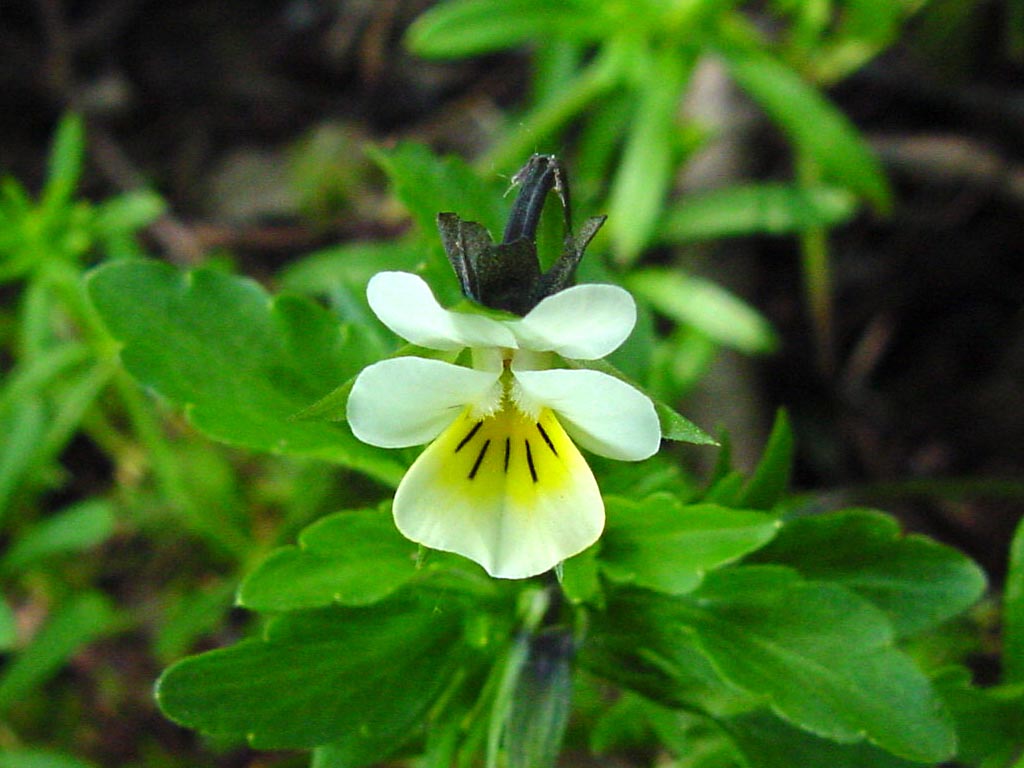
[336, 675]
[770, 480]
[471, 27]
[75, 623]
[427, 185]
[24, 428]
[128, 213]
[706, 307]
[349, 558]
[644, 175]
[75, 529]
[578, 576]
[819, 655]
[65, 165]
[822, 656]
[768, 742]
[918, 583]
[775, 209]
[8, 627]
[990, 721]
[661, 544]
[811, 122]
[673, 425]
[40, 758]
[1013, 611]
[240, 363]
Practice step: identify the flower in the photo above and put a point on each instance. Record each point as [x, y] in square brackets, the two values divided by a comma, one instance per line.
[502, 481]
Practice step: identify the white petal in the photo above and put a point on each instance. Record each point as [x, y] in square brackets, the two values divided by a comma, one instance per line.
[517, 511]
[409, 400]
[601, 413]
[584, 322]
[406, 305]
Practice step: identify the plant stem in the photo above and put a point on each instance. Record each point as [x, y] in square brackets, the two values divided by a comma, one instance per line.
[817, 277]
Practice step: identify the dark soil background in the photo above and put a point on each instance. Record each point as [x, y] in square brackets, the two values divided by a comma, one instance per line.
[919, 410]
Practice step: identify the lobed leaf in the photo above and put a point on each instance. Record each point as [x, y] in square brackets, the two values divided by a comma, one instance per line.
[918, 583]
[240, 363]
[348, 676]
[349, 558]
[661, 544]
[820, 655]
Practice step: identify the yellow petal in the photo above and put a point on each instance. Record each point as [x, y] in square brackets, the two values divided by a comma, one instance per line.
[513, 494]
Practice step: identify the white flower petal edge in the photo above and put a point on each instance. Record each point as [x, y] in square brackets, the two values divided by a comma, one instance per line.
[410, 400]
[406, 305]
[517, 515]
[584, 322]
[601, 413]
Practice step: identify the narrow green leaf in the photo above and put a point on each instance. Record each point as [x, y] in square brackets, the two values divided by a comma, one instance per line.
[472, 27]
[128, 213]
[349, 558]
[74, 624]
[23, 428]
[65, 165]
[918, 583]
[706, 307]
[40, 758]
[660, 544]
[239, 362]
[770, 480]
[1013, 611]
[644, 175]
[75, 529]
[193, 614]
[774, 209]
[8, 627]
[336, 675]
[811, 122]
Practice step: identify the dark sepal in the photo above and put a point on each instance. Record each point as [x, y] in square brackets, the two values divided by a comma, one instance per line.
[497, 276]
[507, 276]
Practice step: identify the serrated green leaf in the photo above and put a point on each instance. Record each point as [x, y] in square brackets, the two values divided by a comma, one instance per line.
[349, 558]
[770, 480]
[473, 27]
[77, 528]
[330, 676]
[706, 307]
[918, 583]
[774, 209]
[811, 122]
[75, 623]
[823, 656]
[661, 544]
[240, 363]
[1013, 611]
